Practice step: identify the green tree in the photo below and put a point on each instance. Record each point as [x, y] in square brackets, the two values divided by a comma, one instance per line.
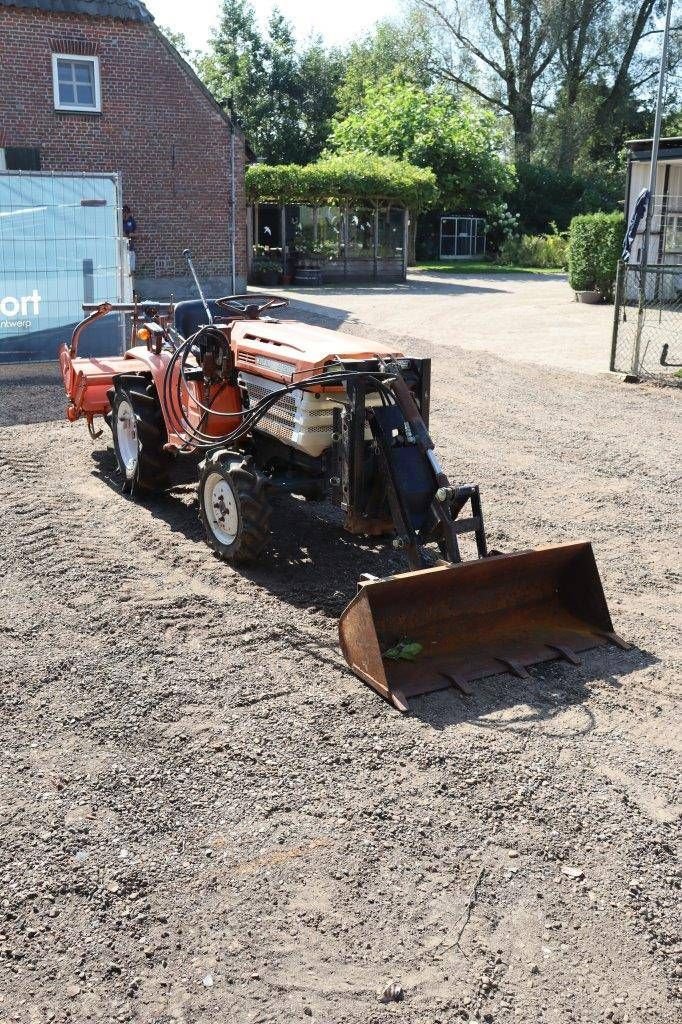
[568, 74]
[320, 72]
[499, 50]
[398, 48]
[283, 97]
[458, 141]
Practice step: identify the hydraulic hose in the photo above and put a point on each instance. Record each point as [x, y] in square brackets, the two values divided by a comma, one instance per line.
[197, 439]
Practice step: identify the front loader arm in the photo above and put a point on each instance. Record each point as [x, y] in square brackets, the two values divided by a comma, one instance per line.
[424, 505]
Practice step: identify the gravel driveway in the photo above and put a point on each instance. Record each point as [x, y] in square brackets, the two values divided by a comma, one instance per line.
[206, 818]
[527, 318]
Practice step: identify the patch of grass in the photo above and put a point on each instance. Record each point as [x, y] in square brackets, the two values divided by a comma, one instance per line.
[483, 267]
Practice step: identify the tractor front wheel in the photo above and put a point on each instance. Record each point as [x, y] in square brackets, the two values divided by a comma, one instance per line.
[139, 435]
[233, 507]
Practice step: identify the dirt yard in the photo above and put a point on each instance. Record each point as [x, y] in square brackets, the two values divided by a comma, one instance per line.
[207, 818]
[528, 318]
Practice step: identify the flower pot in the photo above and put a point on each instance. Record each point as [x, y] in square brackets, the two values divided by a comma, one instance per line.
[286, 279]
[591, 297]
[308, 275]
[269, 278]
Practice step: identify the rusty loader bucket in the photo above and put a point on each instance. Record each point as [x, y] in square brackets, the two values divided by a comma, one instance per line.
[475, 619]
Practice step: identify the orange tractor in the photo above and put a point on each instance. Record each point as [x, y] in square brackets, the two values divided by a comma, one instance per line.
[260, 404]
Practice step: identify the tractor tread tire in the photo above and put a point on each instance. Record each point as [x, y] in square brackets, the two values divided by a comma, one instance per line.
[152, 473]
[253, 507]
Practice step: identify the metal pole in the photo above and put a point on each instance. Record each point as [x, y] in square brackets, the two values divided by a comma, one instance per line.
[652, 192]
[188, 256]
[233, 201]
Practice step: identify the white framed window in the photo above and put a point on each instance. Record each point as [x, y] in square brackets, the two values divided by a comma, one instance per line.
[75, 80]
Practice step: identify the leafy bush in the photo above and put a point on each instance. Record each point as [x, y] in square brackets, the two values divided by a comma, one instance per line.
[595, 241]
[500, 226]
[544, 195]
[349, 177]
[548, 251]
[261, 265]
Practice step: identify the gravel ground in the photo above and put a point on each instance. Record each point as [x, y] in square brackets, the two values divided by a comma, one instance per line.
[530, 318]
[207, 818]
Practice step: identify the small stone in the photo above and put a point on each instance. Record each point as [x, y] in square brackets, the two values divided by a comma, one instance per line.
[207, 981]
[72, 991]
[572, 872]
[307, 1011]
[393, 993]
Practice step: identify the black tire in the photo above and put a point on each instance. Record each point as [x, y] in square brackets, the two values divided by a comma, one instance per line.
[246, 513]
[150, 473]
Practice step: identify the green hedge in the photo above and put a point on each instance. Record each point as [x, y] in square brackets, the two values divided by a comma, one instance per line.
[348, 178]
[550, 252]
[595, 242]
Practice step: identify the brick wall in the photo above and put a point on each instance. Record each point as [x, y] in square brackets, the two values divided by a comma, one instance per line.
[157, 128]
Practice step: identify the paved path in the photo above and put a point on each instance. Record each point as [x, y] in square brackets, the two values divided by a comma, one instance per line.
[529, 318]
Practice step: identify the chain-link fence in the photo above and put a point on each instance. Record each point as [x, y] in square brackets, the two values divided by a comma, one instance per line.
[647, 324]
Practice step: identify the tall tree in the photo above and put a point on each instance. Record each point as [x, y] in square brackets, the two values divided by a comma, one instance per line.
[283, 96]
[499, 50]
[601, 69]
[582, 61]
[398, 48]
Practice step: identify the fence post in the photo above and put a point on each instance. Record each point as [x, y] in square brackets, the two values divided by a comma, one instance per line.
[617, 302]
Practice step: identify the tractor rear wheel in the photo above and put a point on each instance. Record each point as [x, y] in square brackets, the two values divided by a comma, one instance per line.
[234, 507]
[139, 435]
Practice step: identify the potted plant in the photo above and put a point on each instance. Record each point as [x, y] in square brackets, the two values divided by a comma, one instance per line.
[265, 271]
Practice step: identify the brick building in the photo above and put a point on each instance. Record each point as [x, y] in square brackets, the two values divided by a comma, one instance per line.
[94, 86]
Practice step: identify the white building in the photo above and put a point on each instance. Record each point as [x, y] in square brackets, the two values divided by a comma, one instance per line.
[666, 227]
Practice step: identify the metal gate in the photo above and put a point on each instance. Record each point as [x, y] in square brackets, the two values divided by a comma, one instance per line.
[61, 245]
[462, 238]
[647, 322]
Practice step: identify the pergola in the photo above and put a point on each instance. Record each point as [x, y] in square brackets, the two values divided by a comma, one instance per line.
[344, 218]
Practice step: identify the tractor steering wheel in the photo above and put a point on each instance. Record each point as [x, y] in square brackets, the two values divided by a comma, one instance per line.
[251, 306]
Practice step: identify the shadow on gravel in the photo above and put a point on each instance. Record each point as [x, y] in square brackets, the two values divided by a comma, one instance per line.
[443, 287]
[313, 564]
[504, 703]
[30, 393]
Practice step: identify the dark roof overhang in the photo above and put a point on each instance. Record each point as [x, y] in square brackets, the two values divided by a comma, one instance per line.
[128, 10]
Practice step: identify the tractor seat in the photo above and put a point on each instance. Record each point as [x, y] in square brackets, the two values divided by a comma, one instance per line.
[190, 315]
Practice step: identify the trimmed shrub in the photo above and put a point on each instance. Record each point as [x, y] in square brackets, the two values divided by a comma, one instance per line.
[550, 252]
[595, 241]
